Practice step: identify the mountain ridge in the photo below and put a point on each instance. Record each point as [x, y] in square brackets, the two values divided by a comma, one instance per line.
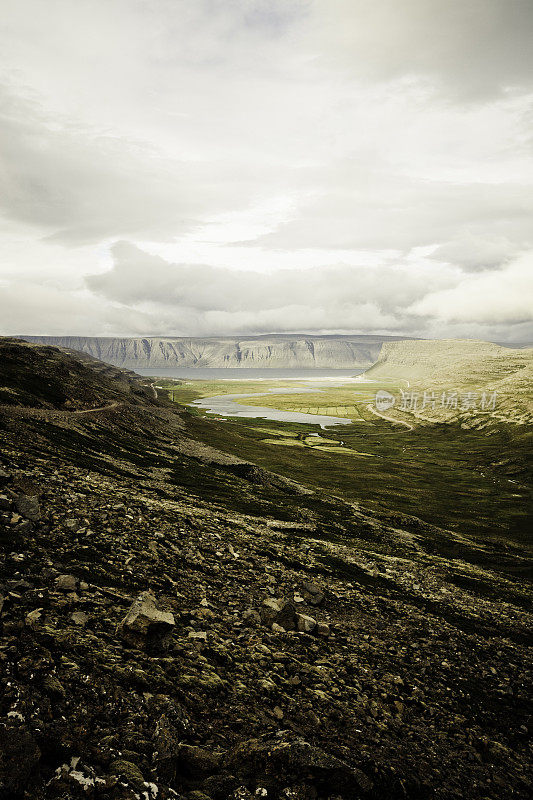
[265, 351]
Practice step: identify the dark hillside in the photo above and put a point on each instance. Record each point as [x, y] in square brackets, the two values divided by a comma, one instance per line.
[42, 376]
[178, 623]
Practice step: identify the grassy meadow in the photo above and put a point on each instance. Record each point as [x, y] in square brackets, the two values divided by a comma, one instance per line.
[472, 481]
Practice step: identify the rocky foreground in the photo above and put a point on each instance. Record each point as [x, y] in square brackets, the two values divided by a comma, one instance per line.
[176, 623]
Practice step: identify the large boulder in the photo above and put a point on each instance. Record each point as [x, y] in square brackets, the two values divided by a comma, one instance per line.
[28, 507]
[19, 760]
[145, 624]
[282, 766]
[280, 612]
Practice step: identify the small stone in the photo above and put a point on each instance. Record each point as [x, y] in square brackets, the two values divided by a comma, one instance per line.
[323, 629]
[251, 617]
[33, 617]
[242, 793]
[278, 712]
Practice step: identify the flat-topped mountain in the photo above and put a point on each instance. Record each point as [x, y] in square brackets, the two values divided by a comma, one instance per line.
[272, 351]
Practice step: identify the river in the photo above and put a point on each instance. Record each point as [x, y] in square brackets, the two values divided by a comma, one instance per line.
[226, 405]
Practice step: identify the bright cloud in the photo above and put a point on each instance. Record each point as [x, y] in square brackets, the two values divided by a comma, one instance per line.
[266, 165]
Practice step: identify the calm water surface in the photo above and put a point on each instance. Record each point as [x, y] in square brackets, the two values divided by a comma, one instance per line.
[226, 405]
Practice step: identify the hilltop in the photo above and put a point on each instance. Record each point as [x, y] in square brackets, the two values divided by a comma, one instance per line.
[461, 366]
[45, 377]
[176, 622]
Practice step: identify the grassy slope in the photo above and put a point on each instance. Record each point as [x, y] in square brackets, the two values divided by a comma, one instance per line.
[464, 366]
[446, 474]
[436, 367]
[456, 478]
[40, 376]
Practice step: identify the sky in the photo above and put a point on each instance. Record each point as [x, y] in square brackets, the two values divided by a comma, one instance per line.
[229, 167]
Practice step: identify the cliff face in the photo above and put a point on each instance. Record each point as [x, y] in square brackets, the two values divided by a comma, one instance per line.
[337, 352]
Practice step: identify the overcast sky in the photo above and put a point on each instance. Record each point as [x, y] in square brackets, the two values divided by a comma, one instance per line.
[206, 167]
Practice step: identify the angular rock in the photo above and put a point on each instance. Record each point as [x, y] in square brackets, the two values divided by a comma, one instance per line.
[312, 593]
[53, 687]
[66, 583]
[194, 761]
[79, 618]
[280, 612]
[28, 507]
[305, 624]
[251, 617]
[129, 772]
[33, 617]
[145, 623]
